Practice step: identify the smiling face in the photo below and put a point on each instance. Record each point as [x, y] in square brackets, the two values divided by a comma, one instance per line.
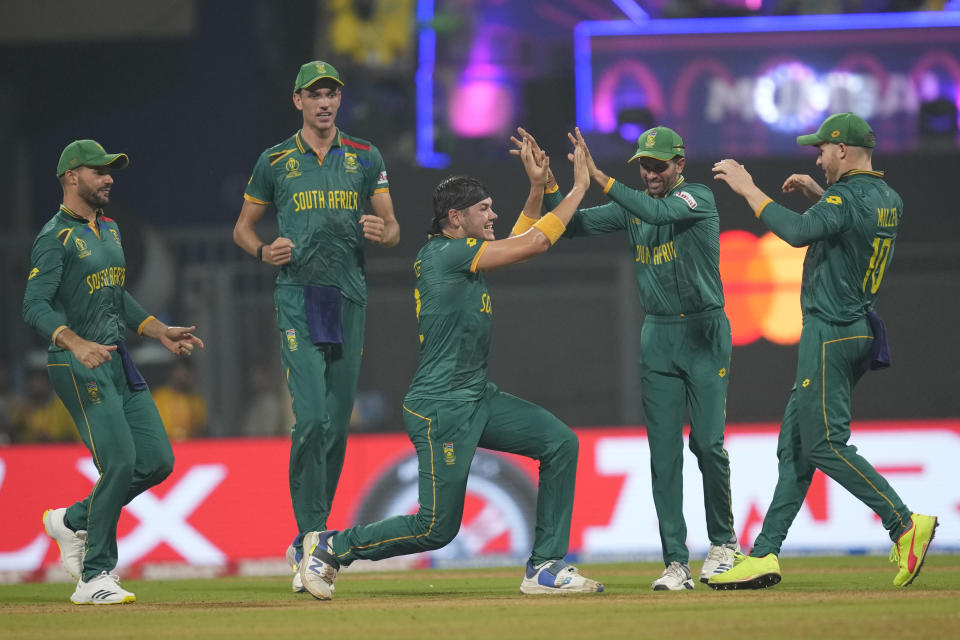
[660, 175]
[319, 103]
[476, 221]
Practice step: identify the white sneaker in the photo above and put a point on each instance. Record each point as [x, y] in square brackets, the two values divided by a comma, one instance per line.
[556, 576]
[719, 560]
[102, 589]
[293, 559]
[71, 543]
[676, 577]
[318, 568]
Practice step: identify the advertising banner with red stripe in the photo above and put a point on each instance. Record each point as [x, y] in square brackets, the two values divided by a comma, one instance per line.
[226, 507]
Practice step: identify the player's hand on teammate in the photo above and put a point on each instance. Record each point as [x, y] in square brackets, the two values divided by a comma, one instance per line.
[804, 184]
[278, 252]
[180, 340]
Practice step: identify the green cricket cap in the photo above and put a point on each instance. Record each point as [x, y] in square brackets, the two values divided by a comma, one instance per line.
[89, 153]
[313, 71]
[661, 143]
[848, 128]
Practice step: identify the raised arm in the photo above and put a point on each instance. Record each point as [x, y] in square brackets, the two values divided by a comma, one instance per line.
[548, 229]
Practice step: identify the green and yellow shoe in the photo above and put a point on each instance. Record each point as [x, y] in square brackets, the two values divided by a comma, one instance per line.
[909, 551]
[748, 572]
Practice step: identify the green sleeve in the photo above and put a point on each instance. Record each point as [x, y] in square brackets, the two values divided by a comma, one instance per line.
[260, 186]
[46, 268]
[133, 313]
[824, 219]
[687, 203]
[597, 220]
[551, 200]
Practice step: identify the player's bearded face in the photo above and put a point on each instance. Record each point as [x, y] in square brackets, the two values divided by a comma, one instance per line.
[829, 161]
[93, 186]
[660, 175]
[477, 220]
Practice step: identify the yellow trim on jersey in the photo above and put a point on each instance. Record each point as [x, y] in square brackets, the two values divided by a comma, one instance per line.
[523, 224]
[381, 190]
[280, 155]
[853, 172]
[66, 237]
[550, 226]
[56, 332]
[250, 198]
[476, 259]
[608, 186]
[553, 189]
[95, 228]
[433, 486]
[762, 206]
[826, 423]
[296, 138]
[144, 324]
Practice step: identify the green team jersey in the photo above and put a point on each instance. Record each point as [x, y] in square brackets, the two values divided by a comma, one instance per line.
[77, 279]
[454, 317]
[675, 241]
[850, 233]
[319, 204]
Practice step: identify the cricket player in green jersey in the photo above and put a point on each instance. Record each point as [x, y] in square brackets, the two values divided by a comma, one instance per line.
[452, 408]
[673, 230]
[331, 193]
[849, 234]
[75, 297]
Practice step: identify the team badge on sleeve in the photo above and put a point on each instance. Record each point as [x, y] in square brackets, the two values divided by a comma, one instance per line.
[382, 178]
[686, 197]
[33, 273]
[834, 199]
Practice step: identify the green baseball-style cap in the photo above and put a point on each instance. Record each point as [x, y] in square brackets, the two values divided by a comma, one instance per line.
[89, 153]
[848, 128]
[661, 143]
[313, 71]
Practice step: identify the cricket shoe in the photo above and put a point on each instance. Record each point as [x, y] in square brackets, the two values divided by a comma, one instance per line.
[748, 573]
[910, 549]
[676, 577]
[293, 559]
[71, 542]
[719, 559]
[556, 576]
[318, 568]
[102, 589]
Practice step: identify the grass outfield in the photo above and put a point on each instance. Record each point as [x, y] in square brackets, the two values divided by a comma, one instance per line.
[823, 598]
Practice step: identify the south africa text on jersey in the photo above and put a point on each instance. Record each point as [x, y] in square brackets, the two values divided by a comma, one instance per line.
[333, 199]
[658, 254]
[109, 277]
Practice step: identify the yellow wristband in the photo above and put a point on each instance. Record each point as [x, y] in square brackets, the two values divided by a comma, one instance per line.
[523, 223]
[608, 186]
[551, 188]
[550, 226]
[762, 207]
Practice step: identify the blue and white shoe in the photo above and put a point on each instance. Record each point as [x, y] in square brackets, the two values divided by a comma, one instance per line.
[318, 568]
[676, 577]
[293, 559]
[719, 560]
[556, 576]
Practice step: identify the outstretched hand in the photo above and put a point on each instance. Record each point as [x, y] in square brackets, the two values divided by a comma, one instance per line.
[535, 162]
[735, 175]
[580, 160]
[180, 341]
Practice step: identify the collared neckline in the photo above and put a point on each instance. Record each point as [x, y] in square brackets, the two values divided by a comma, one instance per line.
[862, 172]
[305, 148]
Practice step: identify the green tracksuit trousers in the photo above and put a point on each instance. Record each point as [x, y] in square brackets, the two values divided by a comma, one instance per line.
[124, 433]
[815, 430]
[323, 383]
[446, 435]
[685, 366]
